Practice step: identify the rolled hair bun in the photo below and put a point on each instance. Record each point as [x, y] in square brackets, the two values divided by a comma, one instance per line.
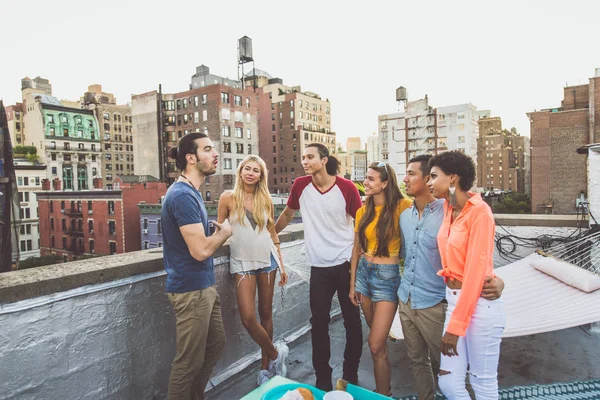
[173, 152]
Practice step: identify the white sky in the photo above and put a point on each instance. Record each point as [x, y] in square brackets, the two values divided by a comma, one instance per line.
[508, 56]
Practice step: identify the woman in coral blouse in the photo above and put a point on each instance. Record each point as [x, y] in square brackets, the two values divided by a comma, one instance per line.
[375, 275]
[474, 325]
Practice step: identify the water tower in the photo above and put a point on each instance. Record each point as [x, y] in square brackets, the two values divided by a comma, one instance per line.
[245, 57]
[401, 96]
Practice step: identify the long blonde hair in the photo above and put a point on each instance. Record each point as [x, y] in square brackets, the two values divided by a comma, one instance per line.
[262, 197]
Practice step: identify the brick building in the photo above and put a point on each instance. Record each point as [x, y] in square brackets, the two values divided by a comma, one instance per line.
[214, 105]
[94, 222]
[289, 120]
[558, 177]
[503, 158]
[116, 136]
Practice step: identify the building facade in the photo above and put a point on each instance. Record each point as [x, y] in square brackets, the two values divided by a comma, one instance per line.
[373, 153]
[116, 134]
[422, 129]
[150, 225]
[558, 180]
[225, 112]
[14, 117]
[67, 137]
[290, 119]
[502, 158]
[94, 222]
[358, 165]
[29, 176]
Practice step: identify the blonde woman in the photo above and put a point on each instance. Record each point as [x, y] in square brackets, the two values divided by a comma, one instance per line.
[255, 258]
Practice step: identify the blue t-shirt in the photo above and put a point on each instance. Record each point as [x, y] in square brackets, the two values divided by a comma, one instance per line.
[183, 205]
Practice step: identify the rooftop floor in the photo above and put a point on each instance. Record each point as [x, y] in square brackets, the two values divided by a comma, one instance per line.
[562, 356]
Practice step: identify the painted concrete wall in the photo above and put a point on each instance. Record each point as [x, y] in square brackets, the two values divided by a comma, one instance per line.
[116, 340]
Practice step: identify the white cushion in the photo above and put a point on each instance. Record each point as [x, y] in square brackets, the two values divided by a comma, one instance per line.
[570, 274]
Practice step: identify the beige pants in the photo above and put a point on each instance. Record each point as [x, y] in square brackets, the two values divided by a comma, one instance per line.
[423, 330]
[200, 341]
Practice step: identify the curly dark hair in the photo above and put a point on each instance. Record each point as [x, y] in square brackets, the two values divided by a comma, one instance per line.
[456, 162]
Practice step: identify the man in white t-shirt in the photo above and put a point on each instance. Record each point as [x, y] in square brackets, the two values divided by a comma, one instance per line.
[328, 204]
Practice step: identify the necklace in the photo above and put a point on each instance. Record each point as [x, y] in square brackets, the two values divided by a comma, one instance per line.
[185, 177]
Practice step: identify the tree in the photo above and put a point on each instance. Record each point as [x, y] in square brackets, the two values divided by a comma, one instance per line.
[513, 203]
[34, 262]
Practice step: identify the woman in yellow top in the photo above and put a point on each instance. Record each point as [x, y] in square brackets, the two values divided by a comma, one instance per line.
[375, 278]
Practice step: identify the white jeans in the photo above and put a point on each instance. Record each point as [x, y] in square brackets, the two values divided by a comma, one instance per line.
[478, 351]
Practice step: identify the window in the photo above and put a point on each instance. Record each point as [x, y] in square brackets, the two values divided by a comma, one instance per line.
[238, 133]
[50, 118]
[237, 100]
[112, 229]
[225, 97]
[461, 139]
[227, 163]
[249, 149]
[225, 113]
[51, 204]
[204, 115]
[64, 242]
[226, 130]
[292, 114]
[111, 207]
[239, 148]
[90, 225]
[145, 223]
[68, 177]
[113, 248]
[92, 247]
[197, 117]
[52, 132]
[226, 147]
[247, 101]
[159, 225]
[146, 243]
[185, 103]
[204, 99]
[239, 116]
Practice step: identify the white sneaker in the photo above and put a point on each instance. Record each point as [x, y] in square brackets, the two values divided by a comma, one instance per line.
[277, 366]
[263, 376]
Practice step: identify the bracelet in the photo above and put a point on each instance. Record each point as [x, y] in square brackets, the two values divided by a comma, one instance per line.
[277, 243]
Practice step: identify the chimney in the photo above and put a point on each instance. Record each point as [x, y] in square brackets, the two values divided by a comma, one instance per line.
[56, 184]
[45, 184]
[97, 183]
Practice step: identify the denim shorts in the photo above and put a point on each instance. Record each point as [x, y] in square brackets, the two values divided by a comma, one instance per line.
[265, 270]
[379, 282]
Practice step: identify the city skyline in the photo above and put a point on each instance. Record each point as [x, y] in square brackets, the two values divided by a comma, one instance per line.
[505, 59]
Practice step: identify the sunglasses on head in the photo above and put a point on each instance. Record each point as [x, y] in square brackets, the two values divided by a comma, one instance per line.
[382, 164]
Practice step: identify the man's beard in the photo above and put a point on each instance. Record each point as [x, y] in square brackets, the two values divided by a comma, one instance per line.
[207, 170]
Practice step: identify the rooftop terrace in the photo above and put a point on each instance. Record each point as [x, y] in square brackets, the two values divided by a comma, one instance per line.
[103, 329]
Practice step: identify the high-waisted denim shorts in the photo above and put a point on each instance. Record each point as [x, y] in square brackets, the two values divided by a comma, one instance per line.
[379, 282]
